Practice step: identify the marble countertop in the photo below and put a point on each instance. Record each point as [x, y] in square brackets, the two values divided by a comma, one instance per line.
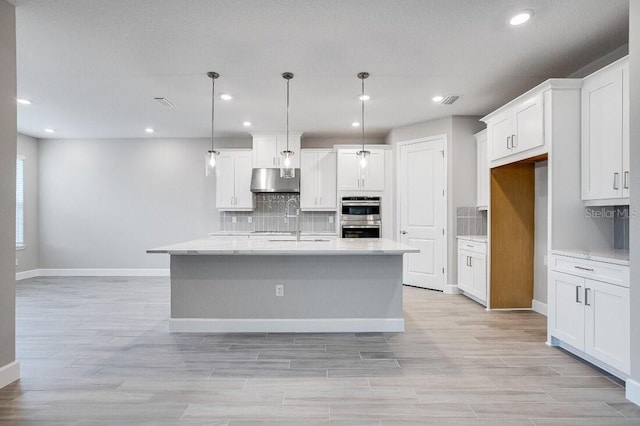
[268, 234]
[619, 257]
[476, 238]
[287, 245]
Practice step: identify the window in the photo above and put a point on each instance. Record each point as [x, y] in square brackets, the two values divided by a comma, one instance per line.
[20, 201]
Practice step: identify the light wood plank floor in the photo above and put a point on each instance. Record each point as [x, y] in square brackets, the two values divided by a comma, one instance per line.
[96, 351]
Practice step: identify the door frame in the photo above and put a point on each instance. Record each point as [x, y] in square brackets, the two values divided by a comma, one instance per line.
[445, 205]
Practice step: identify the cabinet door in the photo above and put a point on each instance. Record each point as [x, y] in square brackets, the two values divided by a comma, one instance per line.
[294, 145]
[242, 171]
[265, 149]
[465, 272]
[566, 299]
[499, 136]
[607, 331]
[602, 135]
[374, 178]
[479, 268]
[327, 197]
[225, 181]
[348, 178]
[528, 124]
[626, 178]
[482, 174]
[308, 180]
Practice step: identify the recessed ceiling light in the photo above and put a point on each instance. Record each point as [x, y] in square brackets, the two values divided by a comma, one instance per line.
[149, 130]
[246, 123]
[23, 101]
[364, 97]
[355, 124]
[437, 98]
[49, 130]
[225, 96]
[521, 18]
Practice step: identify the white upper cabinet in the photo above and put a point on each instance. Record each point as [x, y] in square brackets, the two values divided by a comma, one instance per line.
[318, 180]
[267, 149]
[518, 129]
[350, 177]
[233, 180]
[522, 129]
[482, 171]
[605, 135]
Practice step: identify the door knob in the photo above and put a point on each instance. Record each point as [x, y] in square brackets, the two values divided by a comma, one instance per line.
[403, 232]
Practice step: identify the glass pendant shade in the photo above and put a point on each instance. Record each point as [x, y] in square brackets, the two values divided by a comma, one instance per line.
[211, 158]
[287, 170]
[363, 162]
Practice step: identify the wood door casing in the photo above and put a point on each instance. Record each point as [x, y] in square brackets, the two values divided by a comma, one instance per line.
[512, 235]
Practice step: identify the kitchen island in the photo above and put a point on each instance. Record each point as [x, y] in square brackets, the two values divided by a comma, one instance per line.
[262, 285]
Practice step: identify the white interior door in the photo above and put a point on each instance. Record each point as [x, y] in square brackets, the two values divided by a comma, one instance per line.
[422, 212]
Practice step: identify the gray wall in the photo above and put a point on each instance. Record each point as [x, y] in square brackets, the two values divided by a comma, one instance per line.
[28, 257]
[634, 105]
[8, 135]
[104, 202]
[461, 156]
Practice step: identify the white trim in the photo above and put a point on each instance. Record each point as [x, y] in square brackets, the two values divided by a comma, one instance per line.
[311, 325]
[539, 307]
[103, 272]
[445, 203]
[451, 289]
[9, 373]
[633, 391]
[27, 274]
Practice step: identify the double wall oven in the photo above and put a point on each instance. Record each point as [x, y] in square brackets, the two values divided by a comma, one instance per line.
[360, 217]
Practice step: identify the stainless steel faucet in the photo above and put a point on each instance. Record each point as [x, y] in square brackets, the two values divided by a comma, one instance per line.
[297, 215]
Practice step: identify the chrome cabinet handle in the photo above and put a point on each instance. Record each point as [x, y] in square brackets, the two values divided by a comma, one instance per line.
[508, 142]
[615, 180]
[578, 288]
[626, 180]
[469, 245]
[586, 296]
[513, 141]
[583, 268]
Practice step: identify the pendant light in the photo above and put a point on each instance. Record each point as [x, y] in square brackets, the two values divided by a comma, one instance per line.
[287, 170]
[212, 155]
[363, 154]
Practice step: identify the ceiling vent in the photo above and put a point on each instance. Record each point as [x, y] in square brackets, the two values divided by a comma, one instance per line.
[164, 102]
[450, 99]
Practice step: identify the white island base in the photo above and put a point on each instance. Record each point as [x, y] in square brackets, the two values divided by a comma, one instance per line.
[327, 288]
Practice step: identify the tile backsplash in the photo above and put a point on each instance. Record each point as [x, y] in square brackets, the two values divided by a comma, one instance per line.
[269, 216]
[471, 221]
[621, 227]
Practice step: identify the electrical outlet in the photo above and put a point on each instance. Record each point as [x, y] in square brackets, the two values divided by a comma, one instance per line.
[330, 219]
[234, 219]
[279, 290]
[249, 219]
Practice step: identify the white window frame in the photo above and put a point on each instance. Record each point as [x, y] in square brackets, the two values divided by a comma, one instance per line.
[20, 245]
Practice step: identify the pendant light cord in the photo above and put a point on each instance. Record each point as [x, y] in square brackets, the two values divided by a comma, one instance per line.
[362, 115]
[287, 114]
[213, 97]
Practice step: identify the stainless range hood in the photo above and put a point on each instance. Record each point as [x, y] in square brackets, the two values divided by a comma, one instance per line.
[269, 180]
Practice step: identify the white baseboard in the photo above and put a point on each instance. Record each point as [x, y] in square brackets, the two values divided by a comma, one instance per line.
[103, 272]
[451, 289]
[633, 391]
[539, 307]
[320, 325]
[9, 373]
[27, 274]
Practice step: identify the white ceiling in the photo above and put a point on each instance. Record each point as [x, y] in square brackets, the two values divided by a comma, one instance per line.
[93, 67]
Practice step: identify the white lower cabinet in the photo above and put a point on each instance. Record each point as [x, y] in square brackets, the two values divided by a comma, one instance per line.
[472, 269]
[591, 316]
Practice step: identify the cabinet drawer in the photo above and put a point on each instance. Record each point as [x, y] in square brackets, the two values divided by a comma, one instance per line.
[599, 271]
[473, 246]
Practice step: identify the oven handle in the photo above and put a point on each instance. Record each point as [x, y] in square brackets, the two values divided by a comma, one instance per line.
[358, 204]
[361, 226]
